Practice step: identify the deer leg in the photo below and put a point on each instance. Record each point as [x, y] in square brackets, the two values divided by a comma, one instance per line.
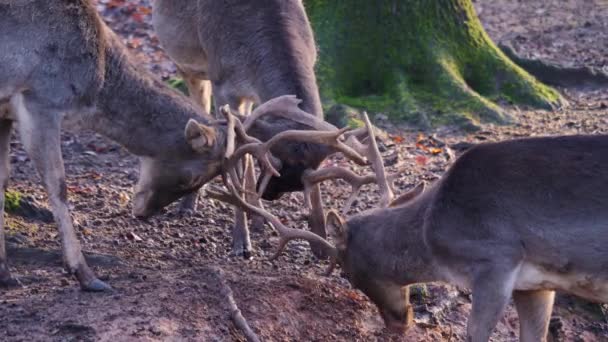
[205, 90]
[6, 280]
[200, 92]
[534, 311]
[316, 220]
[40, 134]
[257, 221]
[491, 293]
[241, 242]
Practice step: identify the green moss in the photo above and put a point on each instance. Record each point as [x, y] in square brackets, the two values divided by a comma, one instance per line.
[12, 200]
[179, 84]
[410, 57]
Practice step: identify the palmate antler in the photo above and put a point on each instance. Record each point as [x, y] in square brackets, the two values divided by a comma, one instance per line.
[341, 140]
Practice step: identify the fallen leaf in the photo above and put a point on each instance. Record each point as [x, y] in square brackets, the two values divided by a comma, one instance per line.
[397, 139]
[435, 150]
[421, 160]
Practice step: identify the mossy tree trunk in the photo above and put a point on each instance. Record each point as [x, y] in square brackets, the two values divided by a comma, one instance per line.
[427, 60]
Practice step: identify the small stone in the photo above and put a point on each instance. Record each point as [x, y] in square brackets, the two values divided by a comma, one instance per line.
[133, 237]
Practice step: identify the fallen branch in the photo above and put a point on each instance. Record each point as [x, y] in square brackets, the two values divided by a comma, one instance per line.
[235, 313]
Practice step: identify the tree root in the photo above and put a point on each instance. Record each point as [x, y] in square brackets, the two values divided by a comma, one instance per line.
[235, 313]
[557, 75]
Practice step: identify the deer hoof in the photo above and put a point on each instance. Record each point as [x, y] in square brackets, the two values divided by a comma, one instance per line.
[185, 212]
[188, 205]
[257, 224]
[242, 252]
[96, 285]
[318, 251]
[10, 282]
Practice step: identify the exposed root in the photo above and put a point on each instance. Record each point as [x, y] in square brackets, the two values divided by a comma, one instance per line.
[556, 75]
[235, 313]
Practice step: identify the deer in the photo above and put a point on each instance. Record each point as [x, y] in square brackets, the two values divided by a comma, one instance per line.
[60, 62]
[249, 52]
[516, 219]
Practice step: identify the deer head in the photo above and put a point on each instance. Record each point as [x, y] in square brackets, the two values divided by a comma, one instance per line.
[389, 297]
[163, 181]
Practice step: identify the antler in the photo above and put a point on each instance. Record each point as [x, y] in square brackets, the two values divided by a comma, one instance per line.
[286, 234]
[312, 177]
[341, 140]
[287, 107]
[373, 155]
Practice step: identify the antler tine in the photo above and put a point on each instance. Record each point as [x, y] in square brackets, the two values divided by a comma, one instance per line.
[286, 234]
[230, 130]
[242, 133]
[329, 138]
[374, 156]
[286, 106]
[312, 177]
[262, 150]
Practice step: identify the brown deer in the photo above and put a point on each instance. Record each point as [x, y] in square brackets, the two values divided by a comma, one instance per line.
[248, 51]
[59, 61]
[517, 219]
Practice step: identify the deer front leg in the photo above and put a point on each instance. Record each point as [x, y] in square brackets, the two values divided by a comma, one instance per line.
[534, 312]
[6, 280]
[492, 288]
[40, 134]
[316, 220]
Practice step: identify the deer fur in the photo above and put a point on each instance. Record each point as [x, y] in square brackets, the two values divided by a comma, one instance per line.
[517, 219]
[248, 51]
[60, 61]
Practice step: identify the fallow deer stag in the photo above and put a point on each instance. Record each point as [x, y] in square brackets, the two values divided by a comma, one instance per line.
[251, 51]
[521, 219]
[59, 60]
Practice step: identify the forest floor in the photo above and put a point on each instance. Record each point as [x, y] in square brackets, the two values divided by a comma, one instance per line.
[163, 269]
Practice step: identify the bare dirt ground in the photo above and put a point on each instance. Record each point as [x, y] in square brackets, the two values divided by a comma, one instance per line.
[162, 269]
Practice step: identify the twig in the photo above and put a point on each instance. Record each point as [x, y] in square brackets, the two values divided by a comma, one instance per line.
[235, 312]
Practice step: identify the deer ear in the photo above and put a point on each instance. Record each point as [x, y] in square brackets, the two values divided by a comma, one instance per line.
[199, 136]
[408, 196]
[337, 228]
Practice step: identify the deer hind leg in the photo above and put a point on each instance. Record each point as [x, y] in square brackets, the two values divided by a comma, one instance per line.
[492, 290]
[6, 280]
[40, 134]
[534, 311]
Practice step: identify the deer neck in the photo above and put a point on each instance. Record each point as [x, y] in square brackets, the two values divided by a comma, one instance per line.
[396, 248]
[140, 112]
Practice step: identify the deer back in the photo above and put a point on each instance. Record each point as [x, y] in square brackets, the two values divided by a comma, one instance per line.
[544, 198]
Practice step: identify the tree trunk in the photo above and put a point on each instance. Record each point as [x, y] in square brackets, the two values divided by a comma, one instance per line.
[429, 61]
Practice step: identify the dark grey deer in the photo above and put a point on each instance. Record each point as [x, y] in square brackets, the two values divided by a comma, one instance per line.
[59, 60]
[517, 219]
[250, 51]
